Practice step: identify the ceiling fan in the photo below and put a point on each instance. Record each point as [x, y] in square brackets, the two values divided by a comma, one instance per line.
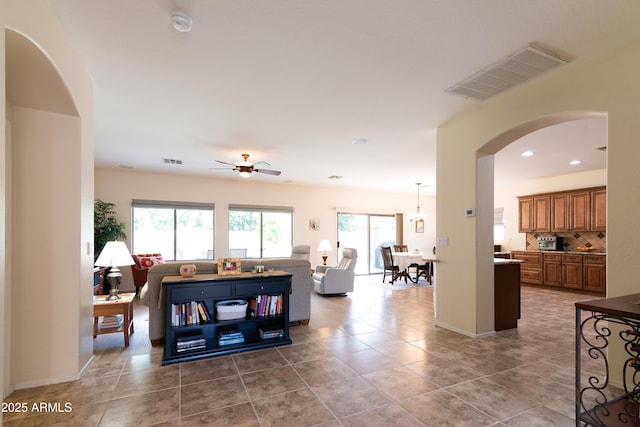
[245, 168]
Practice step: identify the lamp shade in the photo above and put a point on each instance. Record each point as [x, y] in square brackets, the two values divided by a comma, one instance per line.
[324, 246]
[114, 254]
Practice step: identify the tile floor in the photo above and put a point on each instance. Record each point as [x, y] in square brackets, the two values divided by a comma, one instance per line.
[373, 358]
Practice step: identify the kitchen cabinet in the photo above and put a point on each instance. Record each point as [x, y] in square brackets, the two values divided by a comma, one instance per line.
[594, 273]
[534, 214]
[580, 211]
[572, 271]
[506, 295]
[564, 211]
[552, 269]
[525, 215]
[599, 210]
[560, 219]
[531, 268]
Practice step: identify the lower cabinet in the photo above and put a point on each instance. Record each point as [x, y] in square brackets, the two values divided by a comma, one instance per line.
[531, 268]
[208, 315]
[572, 271]
[594, 273]
[566, 270]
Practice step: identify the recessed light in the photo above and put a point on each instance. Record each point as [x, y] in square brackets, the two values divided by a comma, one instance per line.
[359, 141]
[527, 154]
[574, 162]
[335, 177]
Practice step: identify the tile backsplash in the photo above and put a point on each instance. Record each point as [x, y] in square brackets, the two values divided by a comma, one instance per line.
[571, 240]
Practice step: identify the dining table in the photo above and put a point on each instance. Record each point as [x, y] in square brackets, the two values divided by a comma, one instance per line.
[403, 260]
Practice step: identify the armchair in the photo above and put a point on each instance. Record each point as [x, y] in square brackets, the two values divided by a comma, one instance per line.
[339, 279]
[139, 270]
[301, 252]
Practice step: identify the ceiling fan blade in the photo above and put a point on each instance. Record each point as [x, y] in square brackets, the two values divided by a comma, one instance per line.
[225, 163]
[268, 171]
[262, 163]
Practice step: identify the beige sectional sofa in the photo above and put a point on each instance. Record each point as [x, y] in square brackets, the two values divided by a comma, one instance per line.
[299, 300]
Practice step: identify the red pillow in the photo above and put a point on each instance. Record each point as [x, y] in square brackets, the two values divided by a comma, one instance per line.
[149, 260]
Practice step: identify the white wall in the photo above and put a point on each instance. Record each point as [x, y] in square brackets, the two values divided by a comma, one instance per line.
[48, 202]
[506, 196]
[120, 186]
[606, 86]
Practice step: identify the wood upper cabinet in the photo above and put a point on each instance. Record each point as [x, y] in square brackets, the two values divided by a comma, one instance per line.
[599, 210]
[580, 210]
[542, 213]
[560, 218]
[525, 212]
[534, 214]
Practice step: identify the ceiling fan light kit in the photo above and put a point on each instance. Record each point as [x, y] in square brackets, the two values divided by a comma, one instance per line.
[245, 168]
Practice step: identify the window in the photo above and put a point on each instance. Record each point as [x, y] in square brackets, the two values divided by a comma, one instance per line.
[260, 232]
[498, 224]
[179, 231]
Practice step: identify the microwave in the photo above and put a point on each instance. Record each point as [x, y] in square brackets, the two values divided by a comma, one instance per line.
[553, 243]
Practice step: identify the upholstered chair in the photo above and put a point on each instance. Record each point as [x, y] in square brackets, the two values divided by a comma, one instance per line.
[301, 252]
[336, 280]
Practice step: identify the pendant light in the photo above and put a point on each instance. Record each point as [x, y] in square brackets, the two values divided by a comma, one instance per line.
[417, 215]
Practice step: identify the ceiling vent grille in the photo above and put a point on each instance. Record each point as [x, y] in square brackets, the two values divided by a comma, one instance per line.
[172, 161]
[513, 70]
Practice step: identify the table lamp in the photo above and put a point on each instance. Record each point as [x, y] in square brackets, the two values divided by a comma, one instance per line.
[324, 247]
[114, 254]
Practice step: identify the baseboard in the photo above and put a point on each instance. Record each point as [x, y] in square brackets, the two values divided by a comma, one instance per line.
[463, 332]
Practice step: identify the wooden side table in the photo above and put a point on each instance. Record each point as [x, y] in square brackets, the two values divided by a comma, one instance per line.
[123, 306]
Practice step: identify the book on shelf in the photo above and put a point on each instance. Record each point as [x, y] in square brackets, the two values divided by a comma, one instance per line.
[190, 343]
[268, 332]
[265, 305]
[189, 314]
[230, 337]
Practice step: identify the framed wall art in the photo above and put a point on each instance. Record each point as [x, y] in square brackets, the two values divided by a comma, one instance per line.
[314, 224]
[419, 226]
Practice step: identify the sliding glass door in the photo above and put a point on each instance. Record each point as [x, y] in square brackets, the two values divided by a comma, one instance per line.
[366, 233]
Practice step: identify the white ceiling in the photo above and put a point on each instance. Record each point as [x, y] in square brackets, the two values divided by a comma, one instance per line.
[294, 82]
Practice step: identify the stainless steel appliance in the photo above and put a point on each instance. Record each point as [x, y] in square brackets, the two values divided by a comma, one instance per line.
[552, 243]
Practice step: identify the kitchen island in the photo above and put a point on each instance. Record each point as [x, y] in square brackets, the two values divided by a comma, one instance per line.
[506, 293]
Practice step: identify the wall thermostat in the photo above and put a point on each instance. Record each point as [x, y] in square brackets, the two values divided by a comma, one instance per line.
[470, 212]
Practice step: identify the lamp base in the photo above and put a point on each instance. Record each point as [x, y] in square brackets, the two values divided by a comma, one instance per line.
[114, 277]
[324, 259]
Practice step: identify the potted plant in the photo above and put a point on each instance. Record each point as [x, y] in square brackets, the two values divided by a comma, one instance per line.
[106, 225]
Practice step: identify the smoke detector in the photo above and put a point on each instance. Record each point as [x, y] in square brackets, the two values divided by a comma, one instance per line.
[181, 21]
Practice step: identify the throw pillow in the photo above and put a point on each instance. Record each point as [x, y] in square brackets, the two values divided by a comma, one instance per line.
[148, 261]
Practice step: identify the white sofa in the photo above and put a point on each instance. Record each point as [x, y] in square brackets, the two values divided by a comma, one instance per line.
[299, 299]
[339, 279]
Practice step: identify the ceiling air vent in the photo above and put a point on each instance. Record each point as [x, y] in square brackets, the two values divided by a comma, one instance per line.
[172, 161]
[517, 68]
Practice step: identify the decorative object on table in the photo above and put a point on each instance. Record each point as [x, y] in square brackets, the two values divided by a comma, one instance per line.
[417, 216]
[188, 270]
[106, 226]
[314, 224]
[324, 247]
[114, 255]
[419, 226]
[228, 266]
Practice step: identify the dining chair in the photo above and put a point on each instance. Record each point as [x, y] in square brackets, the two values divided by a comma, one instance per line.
[400, 248]
[387, 258]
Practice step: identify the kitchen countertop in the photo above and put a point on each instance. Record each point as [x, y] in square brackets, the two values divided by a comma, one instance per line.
[507, 261]
[564, 252]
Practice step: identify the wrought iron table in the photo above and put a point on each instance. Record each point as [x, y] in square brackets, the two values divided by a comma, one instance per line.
[600, 325]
